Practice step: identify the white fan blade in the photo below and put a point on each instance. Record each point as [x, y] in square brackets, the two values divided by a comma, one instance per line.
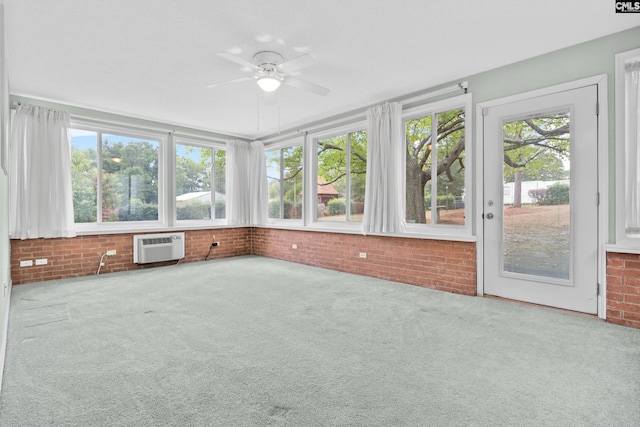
[237, 60]
[311, 87]
[241, 79]
[297, 63]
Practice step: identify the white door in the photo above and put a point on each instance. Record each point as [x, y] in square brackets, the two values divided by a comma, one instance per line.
[540, 200]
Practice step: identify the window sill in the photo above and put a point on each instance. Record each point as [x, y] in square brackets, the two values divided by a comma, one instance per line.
[622, 248]
[146, 228]
[356, 228]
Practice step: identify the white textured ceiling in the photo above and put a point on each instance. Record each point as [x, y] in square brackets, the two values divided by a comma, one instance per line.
[153, 58]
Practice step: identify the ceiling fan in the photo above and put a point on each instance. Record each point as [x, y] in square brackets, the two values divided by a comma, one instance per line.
[270, 71]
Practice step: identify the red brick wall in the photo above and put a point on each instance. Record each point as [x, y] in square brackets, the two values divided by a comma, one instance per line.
[438, 264]
[623, 289]
[80, 256]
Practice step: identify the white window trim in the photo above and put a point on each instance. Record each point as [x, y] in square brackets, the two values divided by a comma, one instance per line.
[126, 226]
[623, 243]
[196, 142]
[281, 222]
[312, 196]
[461, 101]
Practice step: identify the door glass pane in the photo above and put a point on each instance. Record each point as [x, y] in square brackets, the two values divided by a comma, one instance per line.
[536, 223]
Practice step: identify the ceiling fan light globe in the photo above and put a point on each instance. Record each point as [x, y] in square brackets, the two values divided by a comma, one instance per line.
[268, 84]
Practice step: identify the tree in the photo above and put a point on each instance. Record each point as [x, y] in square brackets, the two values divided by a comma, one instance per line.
[535, 149]
[332, 163]
[450, 143]
[84, 173]
[130, 176]
[193, 175]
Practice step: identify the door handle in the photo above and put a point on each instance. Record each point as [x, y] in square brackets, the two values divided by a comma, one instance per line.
[489, 215]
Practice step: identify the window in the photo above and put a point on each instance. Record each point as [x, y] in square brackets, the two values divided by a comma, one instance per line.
[436, 175]
[628, 149]
[199, 169]
[284, 177]
[115, 176]
[341, 179]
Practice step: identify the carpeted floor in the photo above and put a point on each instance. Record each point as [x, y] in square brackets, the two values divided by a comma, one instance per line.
[251, 341]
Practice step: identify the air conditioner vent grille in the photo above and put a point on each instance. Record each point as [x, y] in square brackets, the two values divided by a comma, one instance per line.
[149, 248]
[156, 241]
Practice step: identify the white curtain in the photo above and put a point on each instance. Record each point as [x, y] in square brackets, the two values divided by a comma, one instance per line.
[246, 183]
[258, 189]
[632, 142]
[40, 192]
[384, 210]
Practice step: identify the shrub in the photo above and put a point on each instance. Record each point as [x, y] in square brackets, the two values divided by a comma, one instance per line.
[558, 194]
[138, 211]
[555, 194]
[337, 207]
[193, 209]
[221, 209]
[539, 196]
[274, 208]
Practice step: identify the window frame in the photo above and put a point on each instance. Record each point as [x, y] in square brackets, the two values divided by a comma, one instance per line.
[200, 143]
[622, 240]
[280, 146]
[434, 108]
[100, 227]
[312, 141]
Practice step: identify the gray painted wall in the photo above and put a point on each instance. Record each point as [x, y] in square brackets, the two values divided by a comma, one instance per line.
[574, 63]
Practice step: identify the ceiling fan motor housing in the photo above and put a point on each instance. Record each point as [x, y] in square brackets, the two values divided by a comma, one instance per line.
[267, 62]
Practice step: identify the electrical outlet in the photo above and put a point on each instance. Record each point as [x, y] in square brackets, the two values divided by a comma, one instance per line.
[294, 246]
[363, 254]
[27, 263]
[42, 261]
[214, 244]
[112, 252]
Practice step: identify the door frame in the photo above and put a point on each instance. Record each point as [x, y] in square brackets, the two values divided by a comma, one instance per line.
[603, 174]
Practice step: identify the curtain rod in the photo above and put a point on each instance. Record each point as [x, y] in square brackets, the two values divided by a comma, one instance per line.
[161, 128]
[361, 113]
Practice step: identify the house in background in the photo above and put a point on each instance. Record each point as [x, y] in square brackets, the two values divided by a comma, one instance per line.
[326, 192]
[153, 94]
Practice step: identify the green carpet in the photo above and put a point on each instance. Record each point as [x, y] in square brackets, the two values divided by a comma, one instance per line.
[252, 341]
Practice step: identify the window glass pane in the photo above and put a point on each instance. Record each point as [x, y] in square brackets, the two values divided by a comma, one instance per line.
[332, 178]
[358, 177]
[219, 182]
[292, 185]
[418, 173]
[193, 182]
[129, 179]
[451, 165]
[84, 174]
[273, 182]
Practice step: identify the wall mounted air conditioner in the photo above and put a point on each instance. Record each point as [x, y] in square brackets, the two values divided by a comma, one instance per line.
[157, 247]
